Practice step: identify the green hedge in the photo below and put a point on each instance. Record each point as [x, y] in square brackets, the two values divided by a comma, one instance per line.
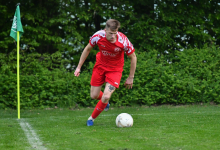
[192, 77]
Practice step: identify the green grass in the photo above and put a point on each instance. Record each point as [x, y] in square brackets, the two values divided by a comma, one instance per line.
[155, 128]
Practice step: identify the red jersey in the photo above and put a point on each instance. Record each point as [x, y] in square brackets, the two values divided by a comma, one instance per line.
[111, 55]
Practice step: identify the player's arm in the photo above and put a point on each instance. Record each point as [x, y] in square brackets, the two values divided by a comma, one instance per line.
[133, 64]
[83, 57]
[129, 82]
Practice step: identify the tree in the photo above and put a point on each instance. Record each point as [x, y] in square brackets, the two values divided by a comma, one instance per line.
[66, 25]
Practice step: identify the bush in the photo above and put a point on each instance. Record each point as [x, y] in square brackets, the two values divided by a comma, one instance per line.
[192, 77]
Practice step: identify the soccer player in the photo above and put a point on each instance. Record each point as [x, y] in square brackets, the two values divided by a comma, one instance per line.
[109, 64]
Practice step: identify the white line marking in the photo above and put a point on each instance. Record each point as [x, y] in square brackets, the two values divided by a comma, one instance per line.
[32, 137]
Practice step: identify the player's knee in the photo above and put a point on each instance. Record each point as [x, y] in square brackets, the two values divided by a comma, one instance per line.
[106, 97]
[94, 96]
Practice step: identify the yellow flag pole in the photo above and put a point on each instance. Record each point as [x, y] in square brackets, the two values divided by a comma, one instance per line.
[18, 84]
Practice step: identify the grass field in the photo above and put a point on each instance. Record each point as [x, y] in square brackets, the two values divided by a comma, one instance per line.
[155, 128]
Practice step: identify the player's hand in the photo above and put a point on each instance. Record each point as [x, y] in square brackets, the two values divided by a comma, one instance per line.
[77, 72]
[129, 82]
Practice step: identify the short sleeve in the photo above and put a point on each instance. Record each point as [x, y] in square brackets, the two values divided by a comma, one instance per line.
[96, 37]
[128, 47]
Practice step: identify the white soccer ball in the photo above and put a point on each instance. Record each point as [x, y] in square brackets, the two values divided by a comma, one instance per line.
[124, 120]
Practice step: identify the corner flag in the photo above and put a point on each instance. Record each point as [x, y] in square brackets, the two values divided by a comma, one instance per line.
[15, 29]
[16, 25]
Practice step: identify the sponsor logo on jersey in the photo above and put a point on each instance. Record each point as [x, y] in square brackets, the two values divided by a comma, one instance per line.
[117, 49]
[116, 83]
[105, 53]
[103, 45]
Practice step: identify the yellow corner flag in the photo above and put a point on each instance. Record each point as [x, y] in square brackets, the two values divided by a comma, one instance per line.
[15, 29]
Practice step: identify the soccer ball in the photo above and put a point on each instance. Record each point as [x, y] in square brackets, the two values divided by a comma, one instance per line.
[124, 120]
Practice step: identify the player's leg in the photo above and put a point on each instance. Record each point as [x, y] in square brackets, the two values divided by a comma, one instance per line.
[96, 92]
[114, 79]
[109, 89]
[97, 80]
[107, 106]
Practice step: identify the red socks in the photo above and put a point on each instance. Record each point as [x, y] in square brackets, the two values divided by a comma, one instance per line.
[98, 109]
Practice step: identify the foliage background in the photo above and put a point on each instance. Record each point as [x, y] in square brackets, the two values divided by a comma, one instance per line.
[176, 43]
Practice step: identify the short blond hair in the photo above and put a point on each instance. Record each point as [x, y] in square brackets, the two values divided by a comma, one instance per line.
[112, 24]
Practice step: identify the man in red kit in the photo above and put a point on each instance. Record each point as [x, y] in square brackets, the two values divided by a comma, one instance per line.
[109, 64]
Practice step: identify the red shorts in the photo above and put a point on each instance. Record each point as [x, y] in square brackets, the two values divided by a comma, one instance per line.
[100, 76]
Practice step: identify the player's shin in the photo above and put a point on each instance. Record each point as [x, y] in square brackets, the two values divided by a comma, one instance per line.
[98, 109]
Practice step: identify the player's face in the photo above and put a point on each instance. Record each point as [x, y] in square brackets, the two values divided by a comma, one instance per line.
[111, 36]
